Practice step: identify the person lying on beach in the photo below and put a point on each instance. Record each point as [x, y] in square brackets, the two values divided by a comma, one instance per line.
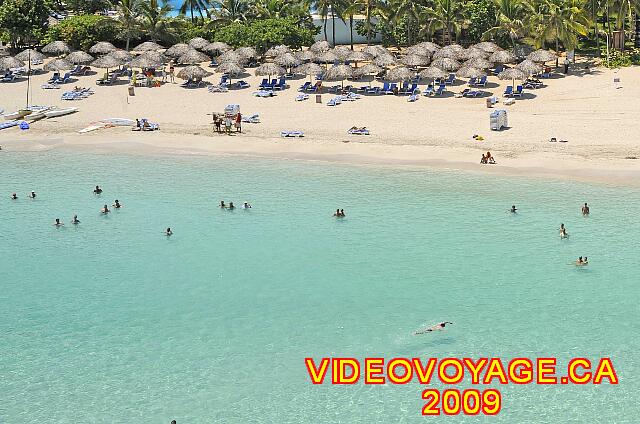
[32, 195]
[75, 220]
[97, 190]
[222, 205]
[513, 209]
[14, 196]
[433, 328]
[105, 210]
[168, 232]
[117, 204]
[563, 232]
[585, 209]
[246, 206]
[58, 223]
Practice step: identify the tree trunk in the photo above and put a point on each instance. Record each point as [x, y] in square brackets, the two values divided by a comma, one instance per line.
[368, 13]
[595, 27]
[128, 40]
[351, 29]
[325, 29]
[637, 39]
[192, 18]
[333, 26]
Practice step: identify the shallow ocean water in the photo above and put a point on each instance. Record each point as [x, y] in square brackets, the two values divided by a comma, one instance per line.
[112, 322]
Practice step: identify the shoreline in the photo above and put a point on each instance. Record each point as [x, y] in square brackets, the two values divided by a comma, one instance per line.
[612, 172]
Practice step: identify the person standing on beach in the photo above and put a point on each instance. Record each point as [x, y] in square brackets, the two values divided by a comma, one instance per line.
[172, 72]
[239, 122]
[585, 209]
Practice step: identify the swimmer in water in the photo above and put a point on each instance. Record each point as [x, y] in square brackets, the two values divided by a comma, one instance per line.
[32, 195]
[585, 209]
[433, 328]
[105, 209]
[585, 261]
[231, 206]
[97, 190]
[222, 205]
[513, 209]
[337, 214]
[75, 220]
[14, 196]
[563, 232]
[580, 262]
[117, 204]
[58, 223]
[168, 232]
[246, 206]
[342, 213]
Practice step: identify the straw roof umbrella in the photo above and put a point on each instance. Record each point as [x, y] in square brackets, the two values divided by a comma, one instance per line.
[287, 60]
[247, 52]
[415, 60]
[155, 56]
[177, 50]
[529, 67]
[447, 52]
[230, 68]
[79, 57]
[540, 56]
[454, 46]
[217, 47]
[320, 47]
[446, 64]
[121, 55]
[277, 51]
[102, 47]
[425, 48]
[375, 51]
[339, 73]
[326, 57]
[193, 57]
[487, 46]
[269, 69]
[230, 56]
[56, 48]
[30, 54]
[512, 74]
[502, 56]
[472, 53]
[358, 56]
[309, 69]
[58, 65]
[384, 60]
[342, 52]
[367, 69]
[470, 72]
[522, 50]
[10, 62]
[191, 72]
[477, 62]
[106, 62]
[401, 73]
[198, 43]
[145, 61]
[147, 46]
[433, 72]
[305, 55]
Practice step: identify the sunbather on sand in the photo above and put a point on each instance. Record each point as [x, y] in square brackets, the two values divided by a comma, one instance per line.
[490, 159]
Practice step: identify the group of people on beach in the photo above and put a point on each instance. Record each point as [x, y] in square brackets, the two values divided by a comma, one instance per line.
[487, 159]
[228, 121]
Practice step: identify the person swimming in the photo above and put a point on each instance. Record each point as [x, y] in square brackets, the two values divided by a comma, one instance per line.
[168, 232]
[97, 190]
[32, 195]
[14, 196]
[222, 205]
[75, 220]
[58, 223]
[585, 209]
[513, 209]
[337, 214]
[231, 206]
[246, 206]
[563, 231]
[105, 209]
[581, 262]
[117, 204]
[433, 328]
[342, 213]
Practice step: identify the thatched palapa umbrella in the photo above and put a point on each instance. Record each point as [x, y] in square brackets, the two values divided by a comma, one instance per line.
[375, 51]
[79, 57]
[339, 73]
[193, 72]
[269, 69]
[145, 61]
[122, 56]
[198, 43]
[358, 56]
[433, 72]
[502, 56]
[58, 65]
[512, 74]
[487, 46]
[102, 47]
[470, 72]
[326, 57]
[30, 54]
[147, 46]
[384, 60]
[287, 60]
[446, 64]
[277, 51]
[446, 52]
[400, 74]
[230, 68]
[177, 50]
[193, 57]
[415, 60]
[367, 69]
[472, 53]
[541, 56]
[309, 69]
[478, 62]
[247, 52]
[342, 53]
[231, 56]
[56, 48]
[10, 62]
[106, 62]
[305, 55]
[320, 47]
[217, 47]
[529, 67]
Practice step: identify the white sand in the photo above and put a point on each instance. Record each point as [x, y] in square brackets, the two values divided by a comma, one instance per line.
[597, 117]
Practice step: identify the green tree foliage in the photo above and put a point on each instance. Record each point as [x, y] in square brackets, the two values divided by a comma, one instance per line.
[87, 6]
[83, 31]
[24, 21]
[482, 17]
[266, 33]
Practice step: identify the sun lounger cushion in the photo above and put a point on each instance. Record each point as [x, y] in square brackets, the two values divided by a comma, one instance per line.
[291, 134]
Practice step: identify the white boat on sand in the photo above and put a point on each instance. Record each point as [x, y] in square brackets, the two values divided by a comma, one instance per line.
[60, 112]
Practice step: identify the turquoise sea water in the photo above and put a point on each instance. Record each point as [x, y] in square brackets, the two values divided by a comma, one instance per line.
[112, 322]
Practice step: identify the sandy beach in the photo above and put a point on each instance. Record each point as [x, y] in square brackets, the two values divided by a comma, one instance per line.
[596, 115]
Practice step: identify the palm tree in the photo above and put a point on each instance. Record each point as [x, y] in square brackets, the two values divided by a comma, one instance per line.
[200, 6]
[561, 21]
[412, 11]
[277, 9]
[129, 12]
[154, 20]
[511, 21]
[323, 7]
[337, 7]
[447, 16]
[228, 11]
[348, 11]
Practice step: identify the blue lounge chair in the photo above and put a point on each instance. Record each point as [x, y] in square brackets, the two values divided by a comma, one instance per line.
[392, 89]
[302, 97]
[242, 84]
[358, 131]
[9, 77]
[472, 81]
[508, 92]
[333, 89]
[291, 134]
[304, 86]
[280, 85]
[413, 89]
[413, 98]
[54, 79]
[373, 90]
[213, 64]
[498, 69]
[251, 119]
[264, 83]
[471, 93]
[315, 88]
[518, 92]
[451, 79]
[440, 90]
[264, 93]
[428, 91]
[385, 87]
[482, 82]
